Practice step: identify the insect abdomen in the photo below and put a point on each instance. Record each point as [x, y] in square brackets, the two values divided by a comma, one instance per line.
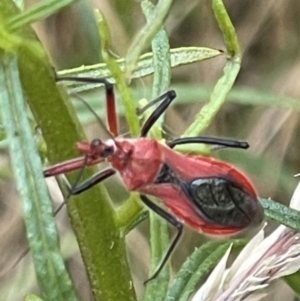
[219, 201]
[222, 201]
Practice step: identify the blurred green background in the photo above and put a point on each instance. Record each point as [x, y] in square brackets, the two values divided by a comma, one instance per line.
[262, 109]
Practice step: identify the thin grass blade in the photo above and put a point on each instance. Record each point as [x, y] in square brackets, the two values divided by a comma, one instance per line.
[50, 270]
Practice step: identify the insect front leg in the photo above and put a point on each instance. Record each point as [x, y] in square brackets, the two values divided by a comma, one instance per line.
[89, 183]
[77, 189]
[174, 222]
[166, 99]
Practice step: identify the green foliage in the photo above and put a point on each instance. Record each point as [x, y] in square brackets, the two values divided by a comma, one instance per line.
[37, 12]
[196, 266]
[144, 37]
[99, 227]
[52, 276]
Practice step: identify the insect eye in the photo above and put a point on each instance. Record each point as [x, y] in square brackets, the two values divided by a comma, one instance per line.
[107, 151]
[95, 143]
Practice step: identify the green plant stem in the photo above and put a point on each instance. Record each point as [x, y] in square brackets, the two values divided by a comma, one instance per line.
[227, 28]
[145, 35]
[126, 214]
[160, 242]
[217, 99]
[225, 83]
[116, 72]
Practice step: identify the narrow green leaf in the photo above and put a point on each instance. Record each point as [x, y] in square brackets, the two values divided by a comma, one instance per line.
[53, 279]
[217, 99]
[11, 42]
[161, 54]
[225, 83]
[178, 57]
[157, 288]
[26, 275]
[145, 35]
[196, 267]
[161, 63]
[281, 214]
[189, 268]
[228, 31]
[39, 11]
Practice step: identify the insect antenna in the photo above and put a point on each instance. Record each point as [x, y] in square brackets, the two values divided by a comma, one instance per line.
[99, 120]
[110, 104]
[71, 188]
[110, 98]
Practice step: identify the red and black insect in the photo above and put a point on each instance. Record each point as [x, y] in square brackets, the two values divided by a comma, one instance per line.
[209, 195]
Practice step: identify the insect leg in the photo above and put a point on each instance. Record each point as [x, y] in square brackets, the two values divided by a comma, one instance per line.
[77, 189]
[166, 99]
[110, 98]
[95, 179]
[209, 140]
[170, 219]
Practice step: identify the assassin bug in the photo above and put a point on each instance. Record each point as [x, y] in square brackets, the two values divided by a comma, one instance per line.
[209, 195]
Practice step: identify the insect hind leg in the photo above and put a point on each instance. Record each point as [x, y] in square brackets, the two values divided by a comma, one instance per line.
[174, 222]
